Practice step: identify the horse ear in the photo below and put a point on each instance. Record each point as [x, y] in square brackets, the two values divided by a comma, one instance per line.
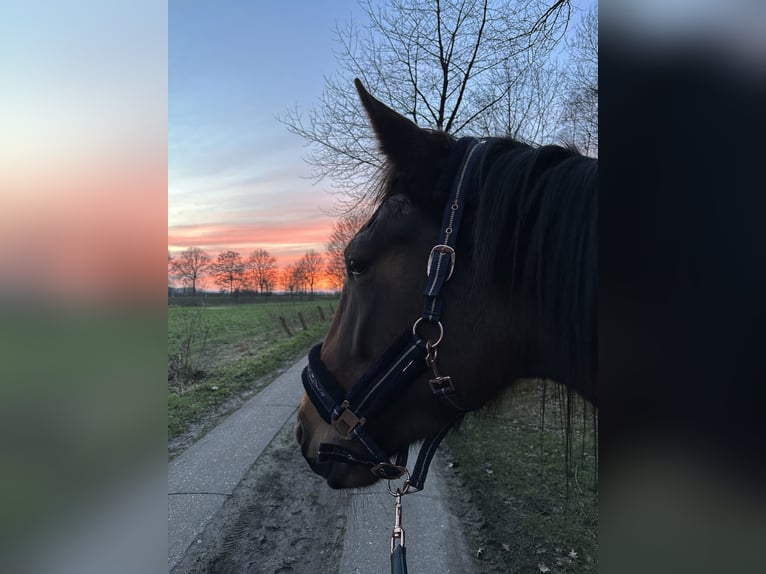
[410, 148]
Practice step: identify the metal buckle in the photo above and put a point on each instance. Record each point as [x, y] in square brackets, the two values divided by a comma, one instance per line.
[443, 249]
[440, 383]
[347, 421]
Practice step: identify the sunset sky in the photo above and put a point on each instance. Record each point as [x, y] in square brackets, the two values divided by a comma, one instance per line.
[236, 177]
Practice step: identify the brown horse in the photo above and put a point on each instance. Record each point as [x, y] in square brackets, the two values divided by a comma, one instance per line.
[520, 303]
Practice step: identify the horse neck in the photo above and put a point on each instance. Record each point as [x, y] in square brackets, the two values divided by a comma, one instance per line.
[549, 364]
[513, 346]
[573, 367]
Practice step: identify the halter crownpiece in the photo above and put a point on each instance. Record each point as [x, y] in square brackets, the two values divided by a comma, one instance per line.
[403, 362]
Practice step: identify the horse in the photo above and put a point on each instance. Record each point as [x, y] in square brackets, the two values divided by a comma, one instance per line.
[515, 296]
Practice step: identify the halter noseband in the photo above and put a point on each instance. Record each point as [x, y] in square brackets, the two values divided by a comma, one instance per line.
[403, 362]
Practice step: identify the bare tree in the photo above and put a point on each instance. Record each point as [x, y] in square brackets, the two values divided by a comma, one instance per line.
[296, 277]
[229, 271]
[526, 112]
[262, 268]
[580, 110]
[288, 278]
[447, 64]
[190, 266]
[343, 231]
[311, 267]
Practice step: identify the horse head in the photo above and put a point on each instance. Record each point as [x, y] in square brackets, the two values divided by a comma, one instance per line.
[486, 336]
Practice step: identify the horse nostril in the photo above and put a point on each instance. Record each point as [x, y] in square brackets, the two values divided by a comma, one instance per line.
[299, 433]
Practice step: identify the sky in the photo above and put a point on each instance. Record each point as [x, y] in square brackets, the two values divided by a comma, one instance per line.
[236, 176]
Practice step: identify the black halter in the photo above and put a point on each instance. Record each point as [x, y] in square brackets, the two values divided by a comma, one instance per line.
[404, 361]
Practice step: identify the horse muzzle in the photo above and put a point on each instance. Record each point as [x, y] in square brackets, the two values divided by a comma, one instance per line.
[310, 432]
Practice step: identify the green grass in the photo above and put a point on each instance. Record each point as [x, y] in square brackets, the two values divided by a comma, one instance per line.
[244, 328]
[535, 515]
[235, 349]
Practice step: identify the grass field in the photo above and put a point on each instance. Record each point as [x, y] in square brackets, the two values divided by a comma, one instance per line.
[509, 463]
[218, 352]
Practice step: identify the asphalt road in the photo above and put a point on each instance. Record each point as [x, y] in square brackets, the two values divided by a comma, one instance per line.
[202, 477]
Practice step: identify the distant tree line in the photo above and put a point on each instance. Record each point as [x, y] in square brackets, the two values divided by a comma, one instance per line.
[256, 273]
[259, 273]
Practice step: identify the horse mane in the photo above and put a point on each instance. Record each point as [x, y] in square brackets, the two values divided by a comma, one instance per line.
[530, 228]
[534, 233]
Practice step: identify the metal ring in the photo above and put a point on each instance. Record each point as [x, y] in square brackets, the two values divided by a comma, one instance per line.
[405, 487]
[438, 324]
[388, 470]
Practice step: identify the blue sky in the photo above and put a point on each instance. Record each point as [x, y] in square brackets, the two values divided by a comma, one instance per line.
[236, 177]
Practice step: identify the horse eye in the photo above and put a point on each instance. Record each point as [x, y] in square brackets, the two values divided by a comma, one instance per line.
[356, 267]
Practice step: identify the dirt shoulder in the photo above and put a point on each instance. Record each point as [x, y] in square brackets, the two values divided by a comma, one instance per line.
[280, 518]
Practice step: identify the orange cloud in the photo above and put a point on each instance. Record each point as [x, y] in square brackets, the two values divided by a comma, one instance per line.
[286, 241]
[282, 241]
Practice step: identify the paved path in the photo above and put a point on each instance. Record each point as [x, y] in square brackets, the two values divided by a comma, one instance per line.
[202, 477]
[434, 540]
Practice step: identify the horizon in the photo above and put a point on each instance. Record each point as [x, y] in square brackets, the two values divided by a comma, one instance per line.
[207, 283]
[237, 179]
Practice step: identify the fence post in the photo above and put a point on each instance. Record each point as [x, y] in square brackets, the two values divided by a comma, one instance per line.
[285, 327]
[303, 321]
[321, 313]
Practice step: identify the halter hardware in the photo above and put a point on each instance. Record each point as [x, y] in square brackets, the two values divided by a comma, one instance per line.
[429, 343]
[347, 421]
[401, 364]
[397, 536]
[388, 470]
[445, 250]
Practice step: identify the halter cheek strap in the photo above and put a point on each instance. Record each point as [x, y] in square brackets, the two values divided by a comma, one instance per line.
[404, 361]
[441, 261]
